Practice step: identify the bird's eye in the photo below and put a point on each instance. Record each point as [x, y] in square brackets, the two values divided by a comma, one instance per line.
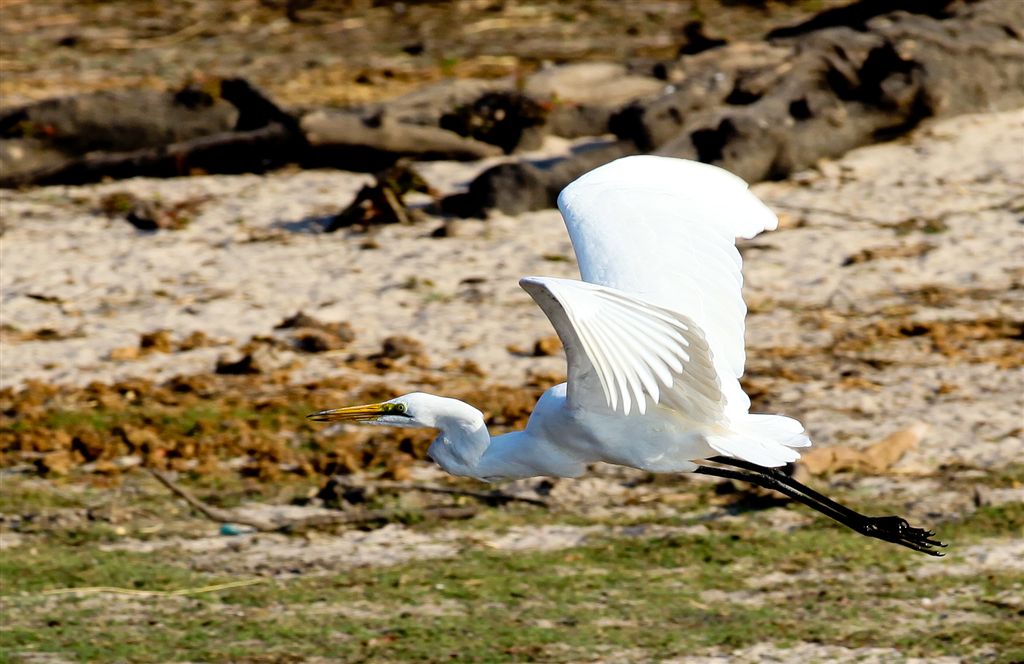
[393, 408]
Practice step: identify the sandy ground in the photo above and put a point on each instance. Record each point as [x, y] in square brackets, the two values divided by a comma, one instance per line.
[921, 232]
[891, 295]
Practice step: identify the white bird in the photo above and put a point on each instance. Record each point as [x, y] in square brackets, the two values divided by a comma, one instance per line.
[653, 337]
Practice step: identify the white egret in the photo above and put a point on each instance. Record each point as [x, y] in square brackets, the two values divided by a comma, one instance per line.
[653, 336]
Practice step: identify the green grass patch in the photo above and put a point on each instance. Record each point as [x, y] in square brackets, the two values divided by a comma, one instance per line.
[19, 496]
[32, 569]
[665, 596]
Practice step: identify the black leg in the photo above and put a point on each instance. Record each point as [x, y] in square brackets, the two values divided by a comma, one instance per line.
[888, 528]
[782, 478]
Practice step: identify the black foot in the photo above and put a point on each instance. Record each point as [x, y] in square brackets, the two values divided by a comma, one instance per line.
[896, 530]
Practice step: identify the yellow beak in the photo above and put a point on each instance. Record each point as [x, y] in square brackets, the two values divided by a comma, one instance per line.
[366, 413]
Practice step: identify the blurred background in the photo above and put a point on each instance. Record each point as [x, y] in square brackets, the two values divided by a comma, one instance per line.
[220, 216]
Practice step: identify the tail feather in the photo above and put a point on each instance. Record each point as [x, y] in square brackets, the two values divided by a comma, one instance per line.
[767, 440]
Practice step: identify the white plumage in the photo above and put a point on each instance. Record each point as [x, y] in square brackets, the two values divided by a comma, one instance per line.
[653, 337]
[629, 350]
[659, 235]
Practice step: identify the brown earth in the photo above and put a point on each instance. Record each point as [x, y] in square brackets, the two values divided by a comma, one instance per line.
[345, 53]
[255, 421]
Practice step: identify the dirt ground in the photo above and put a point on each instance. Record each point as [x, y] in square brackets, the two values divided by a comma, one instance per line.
[343, 52]
[889, 298]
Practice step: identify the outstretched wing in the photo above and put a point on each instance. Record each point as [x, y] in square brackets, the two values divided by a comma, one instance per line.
[620, 348]
[664, 230]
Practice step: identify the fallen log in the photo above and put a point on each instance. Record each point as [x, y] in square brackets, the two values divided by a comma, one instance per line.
[353, 142]
[766, 110]
[79, 140]
[518, 187]
[838, 88]
[144, 119]
[254, 151]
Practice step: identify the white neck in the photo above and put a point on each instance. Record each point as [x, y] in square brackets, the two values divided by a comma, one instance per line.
[465, 447]
[473, 453]
[462, 442]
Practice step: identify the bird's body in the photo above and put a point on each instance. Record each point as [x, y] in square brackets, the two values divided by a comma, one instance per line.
[561, 441]
[653, 336]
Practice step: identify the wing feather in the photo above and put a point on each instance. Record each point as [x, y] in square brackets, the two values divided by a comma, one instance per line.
[624, 350]
[663, 230]
[659, 315]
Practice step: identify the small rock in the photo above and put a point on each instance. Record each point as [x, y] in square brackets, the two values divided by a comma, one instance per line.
[128, 461]
[56, 463]
[158, 341]
[472, 368]
[145, 216]
[258, 358]
[118, 203]
[202, 385]
[104, 467]
[696, 40]
[878, 458]
[884, 454]
[400, 346]
[88, 444]
[315, 336]
[828, 168]
[138, 439]
[450, 228]
[149, 215]
[398, 467]
[300, 319]
[513, 188]
[197, 339]
[547, 346]
[247, 364]
[787, 221]
[124, 353]
[313, 340]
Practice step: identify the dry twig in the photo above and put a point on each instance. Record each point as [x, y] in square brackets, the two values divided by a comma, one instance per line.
[309, 521]
[135, 592]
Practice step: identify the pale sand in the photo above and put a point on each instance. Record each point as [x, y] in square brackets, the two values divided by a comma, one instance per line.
[250, 259]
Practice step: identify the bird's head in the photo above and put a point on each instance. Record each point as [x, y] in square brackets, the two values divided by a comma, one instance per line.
[415, 410]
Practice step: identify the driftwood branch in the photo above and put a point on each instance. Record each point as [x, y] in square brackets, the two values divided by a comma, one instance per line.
[210, 512]
[256, 150]
[311, 521]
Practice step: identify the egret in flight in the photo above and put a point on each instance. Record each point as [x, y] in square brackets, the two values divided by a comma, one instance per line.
[653, 337]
